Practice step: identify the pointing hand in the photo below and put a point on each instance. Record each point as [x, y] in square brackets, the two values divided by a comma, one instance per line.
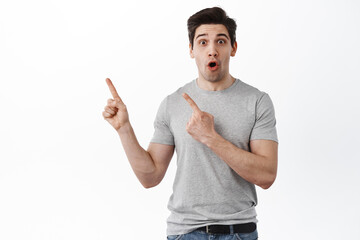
[201, 124]
[115, 110]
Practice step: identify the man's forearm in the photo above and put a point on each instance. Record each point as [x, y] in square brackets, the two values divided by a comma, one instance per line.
[253, 168]
[140, 160]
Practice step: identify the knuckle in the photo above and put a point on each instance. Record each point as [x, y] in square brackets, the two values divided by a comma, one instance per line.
[123, 107]
[108, 109]
[106, 114]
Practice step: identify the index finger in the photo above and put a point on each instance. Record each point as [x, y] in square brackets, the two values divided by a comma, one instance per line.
[112, 89]
[193, 105]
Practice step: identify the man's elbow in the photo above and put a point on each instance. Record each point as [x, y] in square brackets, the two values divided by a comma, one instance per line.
[267, 184]
[150, 179]
[147, 185]
[150, 184]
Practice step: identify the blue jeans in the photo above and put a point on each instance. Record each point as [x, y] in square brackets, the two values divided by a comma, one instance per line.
[200, 235]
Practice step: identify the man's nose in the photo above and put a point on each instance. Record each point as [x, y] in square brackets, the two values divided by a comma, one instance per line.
[212, 51]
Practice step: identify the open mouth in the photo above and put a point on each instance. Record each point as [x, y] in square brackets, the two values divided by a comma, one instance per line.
[213, 65]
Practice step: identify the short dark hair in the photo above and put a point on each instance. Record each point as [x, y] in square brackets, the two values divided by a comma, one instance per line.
[213, 15]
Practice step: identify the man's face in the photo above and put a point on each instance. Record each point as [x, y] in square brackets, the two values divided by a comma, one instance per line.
[212, 50]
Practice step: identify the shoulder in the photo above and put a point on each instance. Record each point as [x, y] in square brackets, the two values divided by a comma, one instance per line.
[250, 92]
[249, 89]
[187, 88]
[172, 100]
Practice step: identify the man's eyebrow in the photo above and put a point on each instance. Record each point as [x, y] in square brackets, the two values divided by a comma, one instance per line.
[200, 35]
[223, 34]
[218, 35]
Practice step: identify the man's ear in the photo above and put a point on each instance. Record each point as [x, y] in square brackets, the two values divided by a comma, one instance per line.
[234, 48]
[191, 51]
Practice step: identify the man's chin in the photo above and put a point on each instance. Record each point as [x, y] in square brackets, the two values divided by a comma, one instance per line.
[213, 78]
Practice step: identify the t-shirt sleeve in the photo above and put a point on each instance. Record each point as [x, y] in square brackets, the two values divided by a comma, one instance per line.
[265, 122]
[162, 133]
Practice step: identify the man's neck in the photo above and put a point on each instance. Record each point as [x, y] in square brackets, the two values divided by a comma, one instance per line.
[215, 86]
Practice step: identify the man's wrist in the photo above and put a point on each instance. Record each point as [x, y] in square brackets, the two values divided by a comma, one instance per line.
[126, 128]
[213, 140]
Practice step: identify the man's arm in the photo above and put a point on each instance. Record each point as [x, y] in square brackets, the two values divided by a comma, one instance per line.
[258, 166]
[149, 166]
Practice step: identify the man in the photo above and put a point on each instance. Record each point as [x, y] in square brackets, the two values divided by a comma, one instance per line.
[225, 137]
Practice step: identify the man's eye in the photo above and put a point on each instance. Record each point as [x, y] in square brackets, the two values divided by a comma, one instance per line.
[202, 42]
[221, 41]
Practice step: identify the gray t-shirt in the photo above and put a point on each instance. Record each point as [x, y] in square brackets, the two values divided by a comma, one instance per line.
[206, 190]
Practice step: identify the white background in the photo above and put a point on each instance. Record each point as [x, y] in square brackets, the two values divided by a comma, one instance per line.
[63, 171]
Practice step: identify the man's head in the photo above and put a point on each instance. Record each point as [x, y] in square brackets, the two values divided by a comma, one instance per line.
[213, 15]
[212, 43]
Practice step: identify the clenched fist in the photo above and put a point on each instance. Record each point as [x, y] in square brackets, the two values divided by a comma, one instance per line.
[115, 110]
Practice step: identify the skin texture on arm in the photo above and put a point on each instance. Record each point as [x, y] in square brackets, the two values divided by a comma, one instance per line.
[258, 166]
[149, 166]
[161, 155]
